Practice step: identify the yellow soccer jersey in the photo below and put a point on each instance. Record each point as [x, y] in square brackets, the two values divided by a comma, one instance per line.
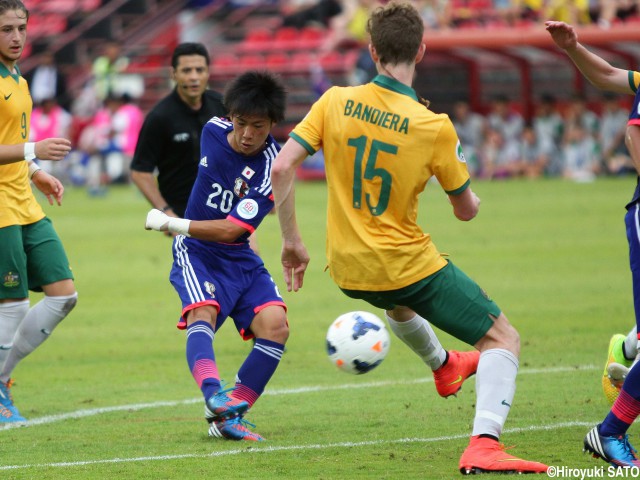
[381, 146]
[18, 206]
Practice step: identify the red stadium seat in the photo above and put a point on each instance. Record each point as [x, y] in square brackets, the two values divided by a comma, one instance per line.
[286, 38]
[256, 40]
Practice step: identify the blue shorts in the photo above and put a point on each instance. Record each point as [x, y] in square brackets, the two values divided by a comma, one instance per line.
[232, 278]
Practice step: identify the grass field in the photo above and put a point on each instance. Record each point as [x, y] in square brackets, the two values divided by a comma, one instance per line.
[109, 396]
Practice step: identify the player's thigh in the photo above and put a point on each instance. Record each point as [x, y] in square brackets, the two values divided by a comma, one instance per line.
[47, 261]
[453, 302]
[14, 282]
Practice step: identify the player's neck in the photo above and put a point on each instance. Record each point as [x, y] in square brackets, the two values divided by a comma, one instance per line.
[402, 73]
[10, 65]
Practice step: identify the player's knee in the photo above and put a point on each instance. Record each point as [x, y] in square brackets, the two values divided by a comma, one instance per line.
[280, 332]
[62, 305]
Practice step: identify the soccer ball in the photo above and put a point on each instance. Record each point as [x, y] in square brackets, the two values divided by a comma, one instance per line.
[357, 342]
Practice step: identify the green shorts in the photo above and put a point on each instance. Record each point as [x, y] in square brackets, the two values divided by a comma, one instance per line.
[448, 299]
[31, 256]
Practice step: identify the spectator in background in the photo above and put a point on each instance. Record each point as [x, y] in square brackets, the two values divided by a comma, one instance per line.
[508, 123]
[47, 82]
[613, 126]
[49, 120]
[579, 114]
[100, 155]
[548, 128]
[580, 154]
[531, 162]
[317, 13]
[470, 127]
[106, 69]
[348, 30]
[498, 158]
[574, 11]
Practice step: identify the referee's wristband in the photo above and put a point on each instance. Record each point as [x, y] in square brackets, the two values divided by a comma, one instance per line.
[33, 169]
[29, 151]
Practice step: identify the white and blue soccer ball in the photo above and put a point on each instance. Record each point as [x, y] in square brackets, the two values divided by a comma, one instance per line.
[357, 342]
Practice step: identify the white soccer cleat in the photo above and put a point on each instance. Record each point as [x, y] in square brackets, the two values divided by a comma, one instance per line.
[616, 373]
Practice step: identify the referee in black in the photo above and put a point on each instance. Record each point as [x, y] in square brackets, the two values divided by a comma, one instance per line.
[169, 140]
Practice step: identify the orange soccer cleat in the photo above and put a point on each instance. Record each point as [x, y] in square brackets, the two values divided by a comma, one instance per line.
[460, 366]
[486, 455]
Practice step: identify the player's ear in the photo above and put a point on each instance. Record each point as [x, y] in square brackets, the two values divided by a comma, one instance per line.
[421, 52]
[373, 53]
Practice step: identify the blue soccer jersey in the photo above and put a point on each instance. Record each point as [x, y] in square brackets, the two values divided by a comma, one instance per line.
[634, 119]
[231, 185]
[230, 277]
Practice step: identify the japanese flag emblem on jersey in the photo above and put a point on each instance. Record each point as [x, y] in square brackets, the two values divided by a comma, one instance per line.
[247, 173]
[248, 209]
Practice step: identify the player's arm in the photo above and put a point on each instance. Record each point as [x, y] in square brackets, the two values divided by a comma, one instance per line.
[465, 205]
[48, 149]
[223, 230]
[148, 186]
[632, 141]
[598, 71]
[294, 255]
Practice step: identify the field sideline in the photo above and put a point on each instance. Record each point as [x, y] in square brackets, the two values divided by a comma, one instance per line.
[110, 395]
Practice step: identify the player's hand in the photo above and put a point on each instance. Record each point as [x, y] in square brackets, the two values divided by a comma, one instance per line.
[49, 185]
[157, 220]
[294, 259]
[562, 34]
[52, 148]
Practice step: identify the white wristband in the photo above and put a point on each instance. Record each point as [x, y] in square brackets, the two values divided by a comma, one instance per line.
[29, 151]
[33, 168]
[179, 226]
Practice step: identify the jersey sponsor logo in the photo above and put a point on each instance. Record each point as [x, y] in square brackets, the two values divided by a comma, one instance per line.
[210, 288]
[7, 97]
[240, 188]
[248, 209]
[248, 173]
[181, 137]
[10, 279]
[460, 153]
[203, 161]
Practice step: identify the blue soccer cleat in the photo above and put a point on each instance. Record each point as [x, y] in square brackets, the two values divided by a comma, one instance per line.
[615, 450]
[234, 429]
[6, 402]
[221, 406]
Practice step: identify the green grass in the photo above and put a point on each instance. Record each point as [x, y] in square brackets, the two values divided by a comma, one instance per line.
[552, 254]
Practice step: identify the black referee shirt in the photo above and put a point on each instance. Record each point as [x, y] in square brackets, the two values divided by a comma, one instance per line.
[169, 140]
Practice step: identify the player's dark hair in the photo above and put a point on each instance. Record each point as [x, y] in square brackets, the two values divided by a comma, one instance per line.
[256, 93]
[188, 48]
[396, 31]
[6, 5]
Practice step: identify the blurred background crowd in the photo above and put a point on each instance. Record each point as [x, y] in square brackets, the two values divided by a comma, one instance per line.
[97, 66]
